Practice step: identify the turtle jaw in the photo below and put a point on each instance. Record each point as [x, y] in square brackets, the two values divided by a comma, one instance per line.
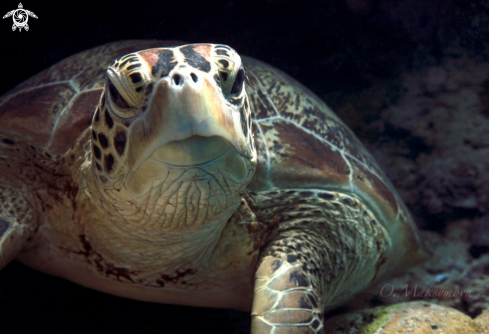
[192, 151]
[179, 118]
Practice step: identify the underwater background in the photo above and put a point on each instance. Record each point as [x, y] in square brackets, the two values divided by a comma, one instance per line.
[411, 78]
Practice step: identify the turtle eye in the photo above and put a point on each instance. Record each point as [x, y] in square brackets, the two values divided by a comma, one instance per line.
[116, 97]
[238, 82]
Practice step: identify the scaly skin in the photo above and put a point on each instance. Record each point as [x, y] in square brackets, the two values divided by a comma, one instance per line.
[198, 182]
[326, 247]
[71, 239]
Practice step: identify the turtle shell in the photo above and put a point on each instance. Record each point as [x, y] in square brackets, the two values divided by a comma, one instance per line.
[301, 143]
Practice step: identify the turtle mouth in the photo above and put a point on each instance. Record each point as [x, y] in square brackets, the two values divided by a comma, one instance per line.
[195, 150]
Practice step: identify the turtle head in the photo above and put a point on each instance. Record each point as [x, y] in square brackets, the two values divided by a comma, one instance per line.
[173, 129]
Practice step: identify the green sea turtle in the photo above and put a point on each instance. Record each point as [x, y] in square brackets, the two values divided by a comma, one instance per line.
[191, 175]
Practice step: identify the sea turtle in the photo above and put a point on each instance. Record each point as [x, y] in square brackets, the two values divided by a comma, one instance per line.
[187, 174]
[20, 17]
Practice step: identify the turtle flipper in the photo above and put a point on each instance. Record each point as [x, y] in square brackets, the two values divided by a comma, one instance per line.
[285, 300]
[326, 247]
[15, 224]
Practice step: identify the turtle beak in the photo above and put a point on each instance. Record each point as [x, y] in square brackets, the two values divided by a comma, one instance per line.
[188, 122]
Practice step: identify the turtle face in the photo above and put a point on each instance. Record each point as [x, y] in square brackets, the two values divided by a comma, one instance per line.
[173, 126]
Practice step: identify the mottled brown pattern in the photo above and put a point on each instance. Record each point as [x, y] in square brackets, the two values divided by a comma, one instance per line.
[178, 276]
[34, 113]
[104, 267]
[261, 105]
[295, 102]
[76, 120]
[326, 243]
[311, 161]
[303, 141]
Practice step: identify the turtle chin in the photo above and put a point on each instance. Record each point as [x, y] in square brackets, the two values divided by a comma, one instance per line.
[190, 183]
[192, 151]
[191, 158]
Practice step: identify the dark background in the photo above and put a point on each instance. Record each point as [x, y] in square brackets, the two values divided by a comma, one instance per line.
[336, 48]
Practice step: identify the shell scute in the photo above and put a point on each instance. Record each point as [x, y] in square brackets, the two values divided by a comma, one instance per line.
[303, 144]
[303, 154]
[78, 119]
[33, 114]
[299, 106]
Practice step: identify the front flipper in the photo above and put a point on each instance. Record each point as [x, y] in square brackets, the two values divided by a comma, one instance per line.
[324, 248]
[286, 300]
[15, 224]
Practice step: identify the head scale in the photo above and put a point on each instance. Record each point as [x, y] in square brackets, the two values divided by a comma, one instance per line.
[171, 141]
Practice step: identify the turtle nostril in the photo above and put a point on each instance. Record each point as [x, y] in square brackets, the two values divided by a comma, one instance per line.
[194, 77]
[177, 79]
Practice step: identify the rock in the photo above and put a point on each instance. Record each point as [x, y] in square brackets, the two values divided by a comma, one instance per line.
[483, 320]
[414, 317]
[479, 236]
[436, 134]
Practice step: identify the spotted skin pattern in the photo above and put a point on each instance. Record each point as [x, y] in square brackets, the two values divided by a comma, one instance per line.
[323, 243]
[110, 126]
[312, 220]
